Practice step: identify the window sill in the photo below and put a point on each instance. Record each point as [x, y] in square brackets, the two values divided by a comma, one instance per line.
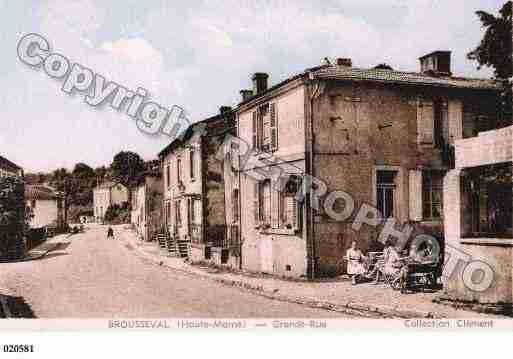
[488, 241]
[283, 231]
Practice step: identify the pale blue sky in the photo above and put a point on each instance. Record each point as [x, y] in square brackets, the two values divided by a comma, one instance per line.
[198, 55]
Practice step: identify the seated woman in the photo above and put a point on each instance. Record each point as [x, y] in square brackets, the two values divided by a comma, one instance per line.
[355, 262]
[391, 263]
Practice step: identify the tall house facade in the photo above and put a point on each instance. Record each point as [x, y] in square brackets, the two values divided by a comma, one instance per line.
[384, 138]
[193, 188]
[146, 213]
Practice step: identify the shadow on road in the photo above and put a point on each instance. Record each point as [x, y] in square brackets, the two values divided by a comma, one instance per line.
[52, 255]
[17, 306]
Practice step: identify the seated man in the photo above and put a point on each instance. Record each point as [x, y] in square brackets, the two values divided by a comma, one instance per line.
[355, 262]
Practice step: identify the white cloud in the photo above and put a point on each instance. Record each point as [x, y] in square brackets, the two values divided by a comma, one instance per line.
[134, 50]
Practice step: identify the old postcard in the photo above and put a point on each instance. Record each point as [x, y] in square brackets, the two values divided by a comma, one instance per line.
[171, 165]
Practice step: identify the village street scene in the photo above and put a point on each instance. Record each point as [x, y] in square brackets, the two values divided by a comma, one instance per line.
[329, 190]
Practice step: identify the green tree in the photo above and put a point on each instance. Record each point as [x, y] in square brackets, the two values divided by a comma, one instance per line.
[82, 170]
[127, 167]
[495, 50]
[14, 218]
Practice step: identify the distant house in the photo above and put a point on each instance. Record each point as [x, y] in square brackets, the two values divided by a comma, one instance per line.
[47, 205]
[108, 194]
[147, 205]
[8, 168]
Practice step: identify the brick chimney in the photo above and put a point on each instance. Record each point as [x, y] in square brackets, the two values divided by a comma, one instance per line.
[246, 94]
[343, 61]
[259, 82]
[436, 63]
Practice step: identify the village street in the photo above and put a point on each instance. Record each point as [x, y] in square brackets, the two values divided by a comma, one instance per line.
[93, 277]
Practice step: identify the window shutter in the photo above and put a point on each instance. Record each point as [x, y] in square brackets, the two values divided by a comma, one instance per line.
[191, 163]
[455, 120]
[178, 171]
[415, 198]
[260, 129]
[189, 215]
[256, 202]
[255, 131]
[425, 121]
[274, 128]
[295, 213]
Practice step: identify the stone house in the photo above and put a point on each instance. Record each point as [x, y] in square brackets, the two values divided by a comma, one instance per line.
[478, 221]
[383, 137]
[147, 206]
[8, 168]
[47, 206]
[193, 185]
[108, 194]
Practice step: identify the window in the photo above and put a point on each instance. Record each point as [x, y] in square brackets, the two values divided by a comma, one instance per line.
[265, 203]
[192, 167]
[179, 170]
[385, 192]
[192, 211]
[235, 205]
[289, 207]
[33, 204]
[440, 116]
[178, 215]
[256, 202]
[262, 202]
[432, 190]
[168, 213]
[265, 128]
[487, 201]
[168, 175]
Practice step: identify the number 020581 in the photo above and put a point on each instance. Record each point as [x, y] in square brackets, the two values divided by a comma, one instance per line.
[22, 348]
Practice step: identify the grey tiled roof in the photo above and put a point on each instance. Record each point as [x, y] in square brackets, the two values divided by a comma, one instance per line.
[398, 77]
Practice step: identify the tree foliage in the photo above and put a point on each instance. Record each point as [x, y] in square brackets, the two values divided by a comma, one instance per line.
[14, 217]
[127, 168]
[496, 46]
[495, 50]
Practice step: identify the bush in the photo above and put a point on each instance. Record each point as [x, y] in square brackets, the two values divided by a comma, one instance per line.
[116, 214]
[13, 218]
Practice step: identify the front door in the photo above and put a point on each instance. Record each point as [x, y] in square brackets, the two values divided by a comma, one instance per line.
[266, 255]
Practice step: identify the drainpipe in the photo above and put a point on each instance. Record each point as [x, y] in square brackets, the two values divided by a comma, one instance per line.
[309, 166]
[240, 195]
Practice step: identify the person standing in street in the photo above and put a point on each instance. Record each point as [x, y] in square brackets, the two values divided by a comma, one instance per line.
[110, 233]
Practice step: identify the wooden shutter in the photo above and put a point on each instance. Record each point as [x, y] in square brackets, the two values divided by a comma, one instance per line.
[189, 215]
[295, 214]
[415, 197]
[178, 174]
[254, 130]
[455, 120]
[191, 163]
[256, 202]
[274, 127]
[425, 121]
[260, 128]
